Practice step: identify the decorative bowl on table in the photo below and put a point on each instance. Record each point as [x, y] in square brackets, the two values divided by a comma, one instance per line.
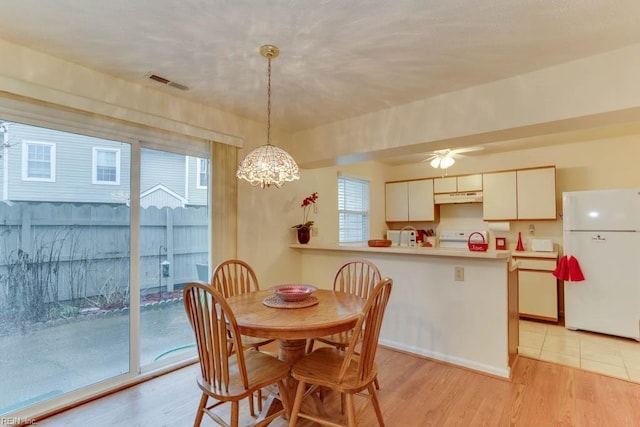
[291, 293]
[379, 243]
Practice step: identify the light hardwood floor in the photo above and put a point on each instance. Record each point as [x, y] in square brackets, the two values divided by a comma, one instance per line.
[415, 392]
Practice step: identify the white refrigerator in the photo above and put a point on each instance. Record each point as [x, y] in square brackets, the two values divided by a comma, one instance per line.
[601, 229]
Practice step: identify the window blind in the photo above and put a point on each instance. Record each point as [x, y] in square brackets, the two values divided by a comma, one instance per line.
[353, 209]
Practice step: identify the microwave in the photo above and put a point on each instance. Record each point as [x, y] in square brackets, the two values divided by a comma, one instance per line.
[408, 238]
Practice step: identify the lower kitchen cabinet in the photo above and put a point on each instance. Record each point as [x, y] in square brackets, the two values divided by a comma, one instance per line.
[537, 286]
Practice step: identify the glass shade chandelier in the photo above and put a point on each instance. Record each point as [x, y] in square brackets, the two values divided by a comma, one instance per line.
[442, 161]
[268, 165]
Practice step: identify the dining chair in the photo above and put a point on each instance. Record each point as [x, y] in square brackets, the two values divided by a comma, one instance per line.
[235, 277]
[225, 377]
[348, 372]
[358, 277]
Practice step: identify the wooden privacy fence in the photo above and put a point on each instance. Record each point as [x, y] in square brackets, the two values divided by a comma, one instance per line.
[69, 250]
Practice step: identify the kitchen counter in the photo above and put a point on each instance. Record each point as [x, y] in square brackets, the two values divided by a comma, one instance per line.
[452, 305]
[531, 254]
[418, 250]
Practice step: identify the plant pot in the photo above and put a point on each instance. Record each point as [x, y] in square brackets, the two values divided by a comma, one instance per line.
[304, 234]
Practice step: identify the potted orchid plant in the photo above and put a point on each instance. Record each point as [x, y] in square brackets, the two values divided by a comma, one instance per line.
[304, 228]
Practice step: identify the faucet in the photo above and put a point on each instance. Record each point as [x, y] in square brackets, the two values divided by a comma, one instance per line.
[407, 228]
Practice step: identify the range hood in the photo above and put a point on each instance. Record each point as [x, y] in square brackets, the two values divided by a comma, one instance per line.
[471, 197]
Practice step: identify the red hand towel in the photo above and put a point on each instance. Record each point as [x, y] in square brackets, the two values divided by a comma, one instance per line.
[575, 272]
[561, 272]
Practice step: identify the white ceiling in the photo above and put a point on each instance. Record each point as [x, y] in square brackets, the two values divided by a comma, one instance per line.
[338, 59]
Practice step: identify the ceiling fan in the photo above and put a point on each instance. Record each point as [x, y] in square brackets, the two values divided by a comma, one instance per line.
[442, 159]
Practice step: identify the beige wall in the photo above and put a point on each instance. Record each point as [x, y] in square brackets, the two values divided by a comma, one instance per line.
[581, 94]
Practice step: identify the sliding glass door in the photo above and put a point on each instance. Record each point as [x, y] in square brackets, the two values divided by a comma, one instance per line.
[66, 237]
[173, 248]
[64, 263]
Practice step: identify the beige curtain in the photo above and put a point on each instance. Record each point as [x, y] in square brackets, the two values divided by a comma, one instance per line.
[224, 203]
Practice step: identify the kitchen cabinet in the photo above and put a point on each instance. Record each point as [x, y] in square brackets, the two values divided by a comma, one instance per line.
[458, 184]
[470, 182]
[409, 201]
[537, 193]
[447, 184]
[537, 286]
[525, 194]
[499, 196]
[396, 201]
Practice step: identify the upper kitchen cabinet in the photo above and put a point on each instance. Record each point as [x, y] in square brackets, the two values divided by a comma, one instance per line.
[470, 182]
[526, 194]
[499, 196]
[537, 193]
[421, 207]
[396, 201]
[409, 201]
[457, 184]
[447, 184]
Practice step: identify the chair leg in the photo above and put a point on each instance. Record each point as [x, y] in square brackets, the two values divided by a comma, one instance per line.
[310, 346]
[235, 413]
[351, 410]
[259, 395]
[284, 397]
[297, 404]
[377, 384]
[376, 404]
[252, 409]
[200, 413]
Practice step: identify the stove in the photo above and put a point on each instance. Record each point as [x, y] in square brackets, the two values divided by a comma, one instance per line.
[460, 238]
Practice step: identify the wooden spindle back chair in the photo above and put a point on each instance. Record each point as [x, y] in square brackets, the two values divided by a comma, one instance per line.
[225, 377]
[349, 372]
[358, 277]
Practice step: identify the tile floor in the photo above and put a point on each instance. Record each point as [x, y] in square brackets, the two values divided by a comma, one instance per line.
[616, 357]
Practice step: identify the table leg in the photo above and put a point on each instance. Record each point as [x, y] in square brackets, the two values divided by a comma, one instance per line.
[290, 351]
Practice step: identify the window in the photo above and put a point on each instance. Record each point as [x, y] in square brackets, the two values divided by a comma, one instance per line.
[203, 173]
[38, 161]
[353, 209]
[106, 166]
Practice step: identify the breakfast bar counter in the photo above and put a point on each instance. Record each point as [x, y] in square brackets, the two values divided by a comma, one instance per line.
[418, 250]
[452, 305]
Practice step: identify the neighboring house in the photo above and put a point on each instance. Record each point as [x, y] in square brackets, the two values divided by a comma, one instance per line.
[45, 165]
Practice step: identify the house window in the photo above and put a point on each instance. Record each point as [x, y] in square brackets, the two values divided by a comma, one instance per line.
[203, 173]
[38, 161]
[353, 209]
[106, 166]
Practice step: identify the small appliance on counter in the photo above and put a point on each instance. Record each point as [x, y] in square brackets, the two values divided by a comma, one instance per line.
[406, 237]
[542, 245]
[460, 238]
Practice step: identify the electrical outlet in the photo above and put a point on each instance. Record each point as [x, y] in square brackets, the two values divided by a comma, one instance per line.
[458, 273]
[314, 231]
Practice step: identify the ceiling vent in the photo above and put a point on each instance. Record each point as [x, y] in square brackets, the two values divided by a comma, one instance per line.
[165, 81]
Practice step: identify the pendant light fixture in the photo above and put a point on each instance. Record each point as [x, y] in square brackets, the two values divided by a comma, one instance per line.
[268, 165]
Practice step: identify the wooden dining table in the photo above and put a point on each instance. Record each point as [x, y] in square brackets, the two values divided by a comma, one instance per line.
[335, 312]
